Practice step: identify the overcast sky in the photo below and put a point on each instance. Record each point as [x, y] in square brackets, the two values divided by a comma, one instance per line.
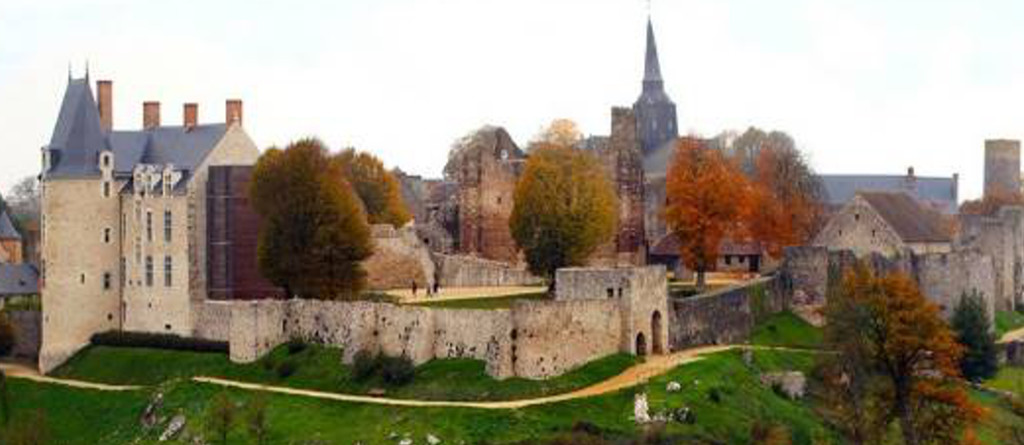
[864, 86]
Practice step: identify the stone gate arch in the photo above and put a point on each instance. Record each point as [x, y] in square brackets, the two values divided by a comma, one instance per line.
[656, 329]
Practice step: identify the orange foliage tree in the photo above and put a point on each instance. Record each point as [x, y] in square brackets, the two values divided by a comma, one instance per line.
[786, 207]
[991, 202]
[892, 346]
[707, 197]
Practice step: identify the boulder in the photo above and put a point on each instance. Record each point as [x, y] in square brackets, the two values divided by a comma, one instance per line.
[641, 412]
[792, 384]
[173, 428]
[432, 439]
[673, 387]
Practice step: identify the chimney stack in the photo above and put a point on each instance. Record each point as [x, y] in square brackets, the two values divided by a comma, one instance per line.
[150, 115]
[105, 95]
[191, 115]
[233, 111]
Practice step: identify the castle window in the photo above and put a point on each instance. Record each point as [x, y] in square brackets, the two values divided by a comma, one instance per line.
[149, 271]
[167, 226]
[82, 278]
[106, 235]
[106, 281]
[124, 268]
[873, 233]
[856, 216]
[106, 189]
[728, 260]
[168, 271]
[149, 226]
[611, 292]
[106, 160]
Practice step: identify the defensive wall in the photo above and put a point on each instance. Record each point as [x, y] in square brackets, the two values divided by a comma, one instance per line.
[724, 316]
[468, 271]
[532, 339]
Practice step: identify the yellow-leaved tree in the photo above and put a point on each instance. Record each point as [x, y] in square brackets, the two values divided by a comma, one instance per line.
[379, 189]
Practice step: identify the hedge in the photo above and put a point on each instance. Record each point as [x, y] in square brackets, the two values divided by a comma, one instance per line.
[157, 341]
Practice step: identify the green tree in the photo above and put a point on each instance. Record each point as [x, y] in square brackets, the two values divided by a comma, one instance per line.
[564, 208]
[256, 419]
[5, 398]
[379, 190]
[220, 417]
[315, 233]
[974, 331]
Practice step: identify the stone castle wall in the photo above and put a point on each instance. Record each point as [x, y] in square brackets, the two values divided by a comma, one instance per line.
[399, 259]
[1002, 166]
[554, 337]
[466, 271]
[28, 333]
[725, 316]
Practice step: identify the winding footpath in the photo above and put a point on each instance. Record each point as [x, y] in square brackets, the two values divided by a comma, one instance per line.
[27, 373]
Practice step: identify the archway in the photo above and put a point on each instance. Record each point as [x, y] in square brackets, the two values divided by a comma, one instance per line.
[641, 344]
[656, 346]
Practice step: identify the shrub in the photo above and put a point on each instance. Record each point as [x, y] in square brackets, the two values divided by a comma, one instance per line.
[157, 341]
[364, 365]
[220, 417]
[397, 371]
[296, 345]
[286, 369]
[715, 395]
[7, 335]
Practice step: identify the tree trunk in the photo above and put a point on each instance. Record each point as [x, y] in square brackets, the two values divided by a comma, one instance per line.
[701, 281]
[905, 416]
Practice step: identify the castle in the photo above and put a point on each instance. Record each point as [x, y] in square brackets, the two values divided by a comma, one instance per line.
[124, 218]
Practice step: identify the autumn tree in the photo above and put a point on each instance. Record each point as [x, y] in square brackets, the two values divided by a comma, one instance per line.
[379, 189]
[707, 197]
[991, 202]
[974, 332]
[887, 335]
[315, 233]
[565, 207]
[561, 132]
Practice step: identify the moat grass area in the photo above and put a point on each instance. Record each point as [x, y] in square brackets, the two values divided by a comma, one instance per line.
[320, 368]
[725, 417]
[785, 329]
[1007, 321]
[483, 302]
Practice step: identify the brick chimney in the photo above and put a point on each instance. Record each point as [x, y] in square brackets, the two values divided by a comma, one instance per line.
[150, 115]
[105, 103]
[233, 111]
[191, 115]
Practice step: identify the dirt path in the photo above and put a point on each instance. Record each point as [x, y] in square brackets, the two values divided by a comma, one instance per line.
[463, 293]
[1016, 334]
[24, 372]
[640, 373]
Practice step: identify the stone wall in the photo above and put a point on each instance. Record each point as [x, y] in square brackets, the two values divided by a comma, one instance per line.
[1001, 237]
[943, 278]
[28, 333]
[1002, 166]
[465, 271]
[399, 259]
[212, 320]
[554, 337]
[725, 316]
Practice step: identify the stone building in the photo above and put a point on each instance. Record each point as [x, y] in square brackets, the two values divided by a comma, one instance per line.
[939, 193]
[10, 241]
[885, 223]
[1002, 166]
[124, 218]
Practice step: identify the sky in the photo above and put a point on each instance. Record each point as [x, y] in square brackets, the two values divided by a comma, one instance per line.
[864, 86]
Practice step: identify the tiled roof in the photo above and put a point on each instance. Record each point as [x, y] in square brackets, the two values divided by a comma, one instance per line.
[669, 245]
[18, 279]
[937, 192]
[7, 230]
[911, 220]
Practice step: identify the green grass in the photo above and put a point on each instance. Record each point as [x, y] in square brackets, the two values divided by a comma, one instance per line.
[484, 303]
[1007, 321]
[320, 368]
[743, 399]
[1009, 378]
[785, 329]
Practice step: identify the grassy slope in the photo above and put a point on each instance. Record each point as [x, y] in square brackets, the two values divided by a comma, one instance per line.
[483, 303]
[1007, 321]
[788, 330]
[742, 400]
[320, 368]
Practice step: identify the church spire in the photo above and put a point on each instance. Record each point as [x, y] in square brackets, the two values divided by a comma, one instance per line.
[652, 69]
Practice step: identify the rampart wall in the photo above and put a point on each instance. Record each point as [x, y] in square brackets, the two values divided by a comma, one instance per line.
[725, 316]
[466, 271]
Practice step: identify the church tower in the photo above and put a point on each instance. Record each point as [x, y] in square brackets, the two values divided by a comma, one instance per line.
[655, 112]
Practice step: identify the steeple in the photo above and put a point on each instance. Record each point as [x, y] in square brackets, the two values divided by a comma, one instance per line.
[652, 69]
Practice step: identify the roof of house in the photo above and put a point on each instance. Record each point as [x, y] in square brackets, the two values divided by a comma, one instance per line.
[669, 245]
[7, 230]
[18, 279]
[939, 192]
[79, 138]
[911, 220]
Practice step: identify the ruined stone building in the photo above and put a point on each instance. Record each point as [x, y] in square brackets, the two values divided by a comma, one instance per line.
[124, 218]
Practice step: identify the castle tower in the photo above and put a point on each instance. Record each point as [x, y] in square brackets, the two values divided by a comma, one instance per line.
[655, 111]
[1002, 166]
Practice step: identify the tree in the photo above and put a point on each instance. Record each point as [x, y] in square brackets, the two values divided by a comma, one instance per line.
[883, 326]
[220, 417]
[561, 132]
[974, 332]
[5, 398]
[315, 233]
[379, 190]
[991, 202]
[564, 208]
[24, 201]
[256, 419]
[707, 197]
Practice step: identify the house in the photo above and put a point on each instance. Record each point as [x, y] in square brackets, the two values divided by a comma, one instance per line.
[889, 223]
[124, 219]
[937, 192]
[10, 241]
[733, 257]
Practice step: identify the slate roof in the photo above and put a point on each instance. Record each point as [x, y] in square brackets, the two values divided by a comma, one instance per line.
[911, 220]
[938, 192]
[669, 245]
[7, 230]
[18, 279]
[652, 68]
[79, 138]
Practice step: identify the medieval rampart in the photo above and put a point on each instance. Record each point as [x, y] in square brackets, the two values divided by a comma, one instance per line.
[466, 271]
[724, 316]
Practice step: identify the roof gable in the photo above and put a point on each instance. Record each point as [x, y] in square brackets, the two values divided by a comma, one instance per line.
[7, 230]
[911, 220]
[938, 191]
